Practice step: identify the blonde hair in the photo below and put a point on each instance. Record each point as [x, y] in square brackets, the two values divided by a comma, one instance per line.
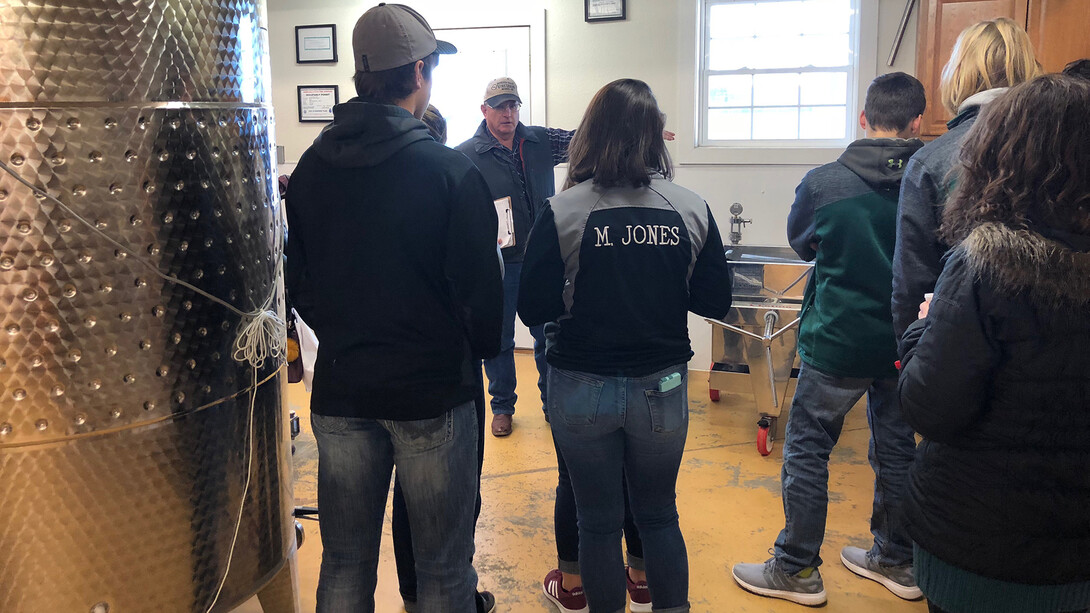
[988, 54]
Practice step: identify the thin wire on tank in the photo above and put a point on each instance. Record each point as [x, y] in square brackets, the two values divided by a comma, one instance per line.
[245, 492]
[262, 335]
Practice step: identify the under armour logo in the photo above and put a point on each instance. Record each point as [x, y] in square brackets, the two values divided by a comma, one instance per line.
[895, 164]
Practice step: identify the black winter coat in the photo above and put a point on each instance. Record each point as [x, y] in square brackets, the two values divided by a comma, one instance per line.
[997, 381]
[391, 258]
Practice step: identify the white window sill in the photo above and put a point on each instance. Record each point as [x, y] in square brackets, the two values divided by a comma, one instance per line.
[750, 154]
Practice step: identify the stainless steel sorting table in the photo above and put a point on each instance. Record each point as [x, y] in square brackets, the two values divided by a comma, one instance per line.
[754, 346]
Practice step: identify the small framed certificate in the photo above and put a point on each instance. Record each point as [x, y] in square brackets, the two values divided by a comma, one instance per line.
[316, 44]
[316, 102]
[603, 10]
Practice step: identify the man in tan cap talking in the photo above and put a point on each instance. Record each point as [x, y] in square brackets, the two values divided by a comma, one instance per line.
[391, 258]
[517, 162]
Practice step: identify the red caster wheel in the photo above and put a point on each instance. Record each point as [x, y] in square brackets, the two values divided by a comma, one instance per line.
[766, 437]
[765, 442]
[713, 394]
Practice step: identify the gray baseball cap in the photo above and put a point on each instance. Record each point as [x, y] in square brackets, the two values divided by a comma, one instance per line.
[392, 35]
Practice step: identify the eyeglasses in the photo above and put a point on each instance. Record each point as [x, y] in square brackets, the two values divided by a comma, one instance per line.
[510, 105]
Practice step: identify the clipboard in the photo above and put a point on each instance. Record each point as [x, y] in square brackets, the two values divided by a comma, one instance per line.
[505, 234]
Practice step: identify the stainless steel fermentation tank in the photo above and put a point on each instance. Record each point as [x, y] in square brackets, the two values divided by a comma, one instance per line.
[124, 419]
[754, 347]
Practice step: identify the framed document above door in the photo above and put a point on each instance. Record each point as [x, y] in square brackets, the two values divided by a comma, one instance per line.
[603, 10]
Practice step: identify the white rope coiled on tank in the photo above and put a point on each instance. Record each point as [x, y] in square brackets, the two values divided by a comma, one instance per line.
[261, 335]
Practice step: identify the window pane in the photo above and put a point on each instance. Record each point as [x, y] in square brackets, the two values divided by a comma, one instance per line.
[779, 52]
[779, 18]
[730, 90]
[826, 50]
[776, 89]
[775, 123]
[730, 53]
[823, 122]
[729, 124]
[767, 47]
[826, 16]
[734, 20]
[824, 88]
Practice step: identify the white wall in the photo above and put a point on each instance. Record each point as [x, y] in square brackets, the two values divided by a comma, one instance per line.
[579, 59]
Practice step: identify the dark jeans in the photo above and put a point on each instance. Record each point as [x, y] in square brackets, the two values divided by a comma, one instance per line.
[813, 429]
[435, 460]
[501, 369]
[566, 527]
[932, 608]
[608, 428]
[400, 525]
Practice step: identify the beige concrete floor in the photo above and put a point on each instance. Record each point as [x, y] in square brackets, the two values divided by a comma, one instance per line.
[728, 500]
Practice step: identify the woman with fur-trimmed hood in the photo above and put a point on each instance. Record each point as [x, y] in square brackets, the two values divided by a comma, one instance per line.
[996, 372]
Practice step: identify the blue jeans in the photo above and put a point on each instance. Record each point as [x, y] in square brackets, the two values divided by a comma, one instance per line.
[501, 369]
[436, 465]
[399, 514]
[608, 428]
[566, 524]
[813, 428]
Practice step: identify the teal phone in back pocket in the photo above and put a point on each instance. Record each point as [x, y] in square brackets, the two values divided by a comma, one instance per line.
[669, 382]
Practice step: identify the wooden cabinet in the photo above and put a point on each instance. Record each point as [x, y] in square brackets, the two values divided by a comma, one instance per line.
[1059, 31]
[1056, 27]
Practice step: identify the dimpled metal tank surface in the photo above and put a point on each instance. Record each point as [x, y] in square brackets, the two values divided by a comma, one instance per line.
[127, 445]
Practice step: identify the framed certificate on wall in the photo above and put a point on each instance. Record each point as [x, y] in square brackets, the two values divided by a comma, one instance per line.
[603, 10]
[316, 44]
[316, 102]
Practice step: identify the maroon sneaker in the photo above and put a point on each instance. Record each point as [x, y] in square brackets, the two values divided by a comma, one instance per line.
[639, 594]
[568, 602]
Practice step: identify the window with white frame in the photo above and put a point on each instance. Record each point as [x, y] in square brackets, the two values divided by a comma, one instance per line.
[779, 72]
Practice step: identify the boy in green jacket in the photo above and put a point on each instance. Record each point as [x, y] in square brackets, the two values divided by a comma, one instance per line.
[845, 218]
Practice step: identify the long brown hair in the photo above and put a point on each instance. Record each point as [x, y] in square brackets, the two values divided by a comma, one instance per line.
[619, 142]
[1025, 161]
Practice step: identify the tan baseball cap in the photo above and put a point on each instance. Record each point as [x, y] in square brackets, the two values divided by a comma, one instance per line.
[501, 90]
[392, 35]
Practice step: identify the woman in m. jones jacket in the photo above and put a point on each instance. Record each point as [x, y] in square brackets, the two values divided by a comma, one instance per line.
[613, 264]
[995, 374]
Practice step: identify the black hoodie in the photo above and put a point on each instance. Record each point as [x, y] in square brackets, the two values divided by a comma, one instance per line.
[845, 218]
[391, 258]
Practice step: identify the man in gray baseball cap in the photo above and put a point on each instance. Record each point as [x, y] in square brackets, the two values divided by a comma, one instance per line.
[517, 162]
[392, 241]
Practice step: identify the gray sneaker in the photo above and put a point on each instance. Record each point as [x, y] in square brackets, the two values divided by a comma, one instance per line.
[897, 579]
[770, 580]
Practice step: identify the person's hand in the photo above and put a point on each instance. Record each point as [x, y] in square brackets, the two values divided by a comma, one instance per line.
[925, 306]
[668, 135]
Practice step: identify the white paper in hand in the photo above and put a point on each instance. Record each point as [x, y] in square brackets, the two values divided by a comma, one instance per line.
[505, 236]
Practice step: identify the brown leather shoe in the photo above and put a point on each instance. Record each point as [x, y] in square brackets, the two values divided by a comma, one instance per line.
[501, 425]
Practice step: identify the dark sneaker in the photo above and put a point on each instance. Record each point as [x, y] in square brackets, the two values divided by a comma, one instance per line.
[897, 579]
[501, 425]
[486, 602]
[568, 602]
[638, 594]
[770, 580]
